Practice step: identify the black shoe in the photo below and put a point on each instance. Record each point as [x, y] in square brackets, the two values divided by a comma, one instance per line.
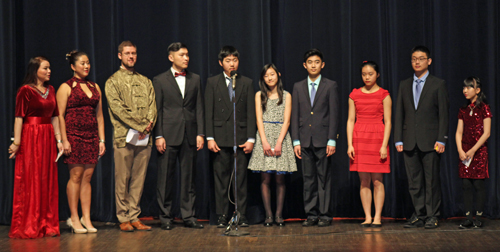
[222, 221]
[324, 223]
[268, 222]
[193, 224]
[431, 222]
[310, 222]
[478, 224]
[365, 224]
[466, 224]
[167, 226]
[376, 225]
[280, 221]
[414, 222]
[243, 221]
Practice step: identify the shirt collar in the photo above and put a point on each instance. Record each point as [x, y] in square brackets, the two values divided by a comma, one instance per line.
[317, 81]
[127, 71]
[173, 71]
[423, 77]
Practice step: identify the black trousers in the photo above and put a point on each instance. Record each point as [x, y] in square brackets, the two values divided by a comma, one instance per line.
[422, 169]
[186, 154]
[223, 168]
[317, 182]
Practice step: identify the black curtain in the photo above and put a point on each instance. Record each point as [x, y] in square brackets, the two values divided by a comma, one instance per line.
[462, 35]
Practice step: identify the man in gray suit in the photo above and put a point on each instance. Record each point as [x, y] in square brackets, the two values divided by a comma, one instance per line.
[315, 107]
[179, 135]
[420, 132]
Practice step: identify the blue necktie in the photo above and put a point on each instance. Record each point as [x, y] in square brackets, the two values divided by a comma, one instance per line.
[418, 91]
[313, 93]
[230, 88]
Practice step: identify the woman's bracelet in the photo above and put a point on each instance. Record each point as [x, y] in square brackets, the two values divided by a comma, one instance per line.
[14, 143]
[57, 134]
[59, 141]
[102, 141]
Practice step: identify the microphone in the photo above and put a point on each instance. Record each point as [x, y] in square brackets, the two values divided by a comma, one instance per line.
[233, 76]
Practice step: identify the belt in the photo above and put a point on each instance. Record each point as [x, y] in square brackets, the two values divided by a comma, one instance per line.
[37, 120]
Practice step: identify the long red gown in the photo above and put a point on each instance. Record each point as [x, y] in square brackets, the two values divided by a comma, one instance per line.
[35, 209]
[368, 133]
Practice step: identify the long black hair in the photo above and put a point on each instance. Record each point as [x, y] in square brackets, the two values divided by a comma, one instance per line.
[475, 82]
[31, 74]
[264, 89]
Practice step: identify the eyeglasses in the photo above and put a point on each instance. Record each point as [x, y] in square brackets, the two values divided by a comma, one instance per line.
[130, 53]
[422, 59]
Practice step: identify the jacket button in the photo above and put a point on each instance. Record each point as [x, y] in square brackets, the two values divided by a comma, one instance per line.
[222, 110]
[312, 113]
[309, 125]
[219, 99]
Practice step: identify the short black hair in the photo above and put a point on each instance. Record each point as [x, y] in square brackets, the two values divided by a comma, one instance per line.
[176, 46]
[313, 52]
[228, 51]
[369, 63]
[421, 48]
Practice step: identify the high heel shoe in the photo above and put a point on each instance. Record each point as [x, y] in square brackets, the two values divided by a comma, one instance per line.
[268, 222]
[75, 230]
[89, 230]
[280, 221]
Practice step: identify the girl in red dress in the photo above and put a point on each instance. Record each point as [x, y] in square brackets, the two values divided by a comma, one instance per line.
[473, 129]
[368, 131]
[82, 129]
[35, 209]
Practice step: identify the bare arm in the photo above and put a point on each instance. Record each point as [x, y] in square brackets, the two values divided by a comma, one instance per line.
[18, 127]
[55, 124]
[387, 102]
[100, 123]
[482, 139]
[286, 124]
[458, 139]
[351, 119]
[260, 125]
[62, 95]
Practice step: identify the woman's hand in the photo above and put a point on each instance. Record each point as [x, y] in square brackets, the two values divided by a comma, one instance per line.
[60, 147]
[102, 149]
[267, 149]
[277, 149]
[350, 152]
[66, 147]
[462, 155]
[383, 152]
[470, 154]
[13, 150]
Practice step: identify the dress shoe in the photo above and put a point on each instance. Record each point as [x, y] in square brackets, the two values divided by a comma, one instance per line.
[193, 224]
[243, 221]
[126, 227]
[466, 224]
[414, 222]
[379, 225]
[431, 222]
[222, 221]
[140, 226]
[324, 223]
[478, 224]
[310, 222]
[366, 224]
[75, 230]
[89, 230]
[167, 226]
[268, 222]
[280, 221]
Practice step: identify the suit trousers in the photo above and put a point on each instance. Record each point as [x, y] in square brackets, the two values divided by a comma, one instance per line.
[131, 164]
[422, 169]
[317, 182]
[167, 165]
[223, 169]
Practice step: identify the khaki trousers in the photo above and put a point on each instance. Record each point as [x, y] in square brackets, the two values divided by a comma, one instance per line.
[131, 163]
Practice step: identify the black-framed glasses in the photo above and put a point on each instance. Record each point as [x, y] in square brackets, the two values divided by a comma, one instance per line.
[421, 59]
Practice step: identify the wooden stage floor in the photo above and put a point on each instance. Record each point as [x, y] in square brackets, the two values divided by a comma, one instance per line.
[343, 235]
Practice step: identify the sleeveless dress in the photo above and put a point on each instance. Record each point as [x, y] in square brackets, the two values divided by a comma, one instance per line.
[35, 207]
[81, 123]
[273, 121]
[368, 133]
[473, 130]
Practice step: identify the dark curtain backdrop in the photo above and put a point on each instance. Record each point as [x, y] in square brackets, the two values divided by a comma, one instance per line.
[462, 35]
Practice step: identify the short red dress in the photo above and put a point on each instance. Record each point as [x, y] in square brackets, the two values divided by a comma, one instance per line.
[81, 123]
[368, 133]
[35, 208]
[473, 118]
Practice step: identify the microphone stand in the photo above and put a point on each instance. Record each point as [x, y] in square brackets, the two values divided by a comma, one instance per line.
[236, 215]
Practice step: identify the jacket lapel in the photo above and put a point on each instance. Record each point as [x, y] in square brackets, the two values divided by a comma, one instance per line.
[222, 87]
[238, 89]
[319, 91]
[425, 90]
[172, 83]
[305, 89]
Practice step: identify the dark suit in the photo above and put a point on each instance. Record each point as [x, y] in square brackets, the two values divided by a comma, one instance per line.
[419, 129]
[314, 127]
[219, 125]
[180, 120]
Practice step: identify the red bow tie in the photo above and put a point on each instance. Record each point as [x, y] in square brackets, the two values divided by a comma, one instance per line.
[180, 74]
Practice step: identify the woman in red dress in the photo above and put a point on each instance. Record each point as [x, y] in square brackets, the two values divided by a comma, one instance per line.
[35, 209]
[82, 129]
[368, 131]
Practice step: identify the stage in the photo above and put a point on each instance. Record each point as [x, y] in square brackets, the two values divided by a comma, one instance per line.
[343, 235]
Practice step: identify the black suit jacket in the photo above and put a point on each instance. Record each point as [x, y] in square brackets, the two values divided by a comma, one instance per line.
[176, 115]
[320, 122]
[219, 111]
[429, 122]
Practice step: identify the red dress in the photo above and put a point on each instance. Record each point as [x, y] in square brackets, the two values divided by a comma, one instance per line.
[368, 133]
[35, 209]
[81, 123]
[473, 130]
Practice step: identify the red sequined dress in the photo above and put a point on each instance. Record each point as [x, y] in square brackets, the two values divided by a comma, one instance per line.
[368, 133]
[473, 117]
[35, 209]
[81, 123]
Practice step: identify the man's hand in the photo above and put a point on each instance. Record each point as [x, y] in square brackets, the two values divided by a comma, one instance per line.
[297, 151]
[439, 147]
[330, 150]
[212, 146]
[247, 147]
[199, 142]
[161, 146]
[399, 148]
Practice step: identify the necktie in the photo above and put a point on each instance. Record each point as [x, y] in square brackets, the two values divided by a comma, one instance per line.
[418, 91]
[230, 88]
[180, 74]
[313, 93]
